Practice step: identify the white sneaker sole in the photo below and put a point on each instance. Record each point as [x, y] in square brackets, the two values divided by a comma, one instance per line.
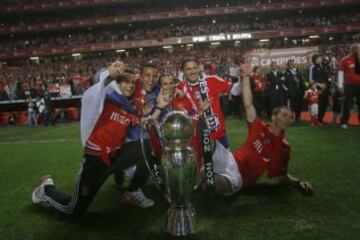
[34, 198]
[46, 180]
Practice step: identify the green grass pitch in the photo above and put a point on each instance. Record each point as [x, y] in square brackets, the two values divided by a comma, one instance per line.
[327, 156]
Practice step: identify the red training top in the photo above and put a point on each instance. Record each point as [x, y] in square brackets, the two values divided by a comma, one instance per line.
[262, 151]
[347, 65]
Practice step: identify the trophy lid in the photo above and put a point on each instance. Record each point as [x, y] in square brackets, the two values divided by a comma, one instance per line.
[177, 126]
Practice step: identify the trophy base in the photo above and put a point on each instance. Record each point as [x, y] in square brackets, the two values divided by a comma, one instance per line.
[180, 221]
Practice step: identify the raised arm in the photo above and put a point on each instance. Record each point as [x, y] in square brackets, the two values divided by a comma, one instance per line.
[114, 70]
[93, 99]
[250, 112]
[162, 102]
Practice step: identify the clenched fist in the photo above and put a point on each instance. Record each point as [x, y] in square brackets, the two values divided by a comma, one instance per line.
[116, 69]
[245, 70]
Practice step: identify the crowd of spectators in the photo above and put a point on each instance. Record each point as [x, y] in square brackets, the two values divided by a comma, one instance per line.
[168, 5]
[119, 9]
[67, 76]
[173, 30]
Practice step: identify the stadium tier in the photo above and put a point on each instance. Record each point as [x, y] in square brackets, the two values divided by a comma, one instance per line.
[60, 52]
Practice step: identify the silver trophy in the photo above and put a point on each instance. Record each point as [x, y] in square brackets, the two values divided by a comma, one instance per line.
[178, 170]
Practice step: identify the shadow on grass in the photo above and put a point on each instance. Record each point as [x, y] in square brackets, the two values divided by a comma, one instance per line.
[264, 189]
[114, 222]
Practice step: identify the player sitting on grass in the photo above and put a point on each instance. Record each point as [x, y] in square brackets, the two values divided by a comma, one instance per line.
[106, 118]
[265, 149]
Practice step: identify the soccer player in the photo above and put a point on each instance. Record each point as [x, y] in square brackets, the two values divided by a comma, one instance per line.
[146, 90]
[349, 83]
[106, 116]
[144, 99]
[205, 91]
[264, 150]
[165, 96]
[170, 98]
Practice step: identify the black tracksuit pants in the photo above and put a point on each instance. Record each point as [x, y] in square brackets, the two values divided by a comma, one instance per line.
[92, 175]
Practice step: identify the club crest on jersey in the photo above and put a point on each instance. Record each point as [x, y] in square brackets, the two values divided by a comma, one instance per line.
[117, 117]
[198, 95]
[267, 141]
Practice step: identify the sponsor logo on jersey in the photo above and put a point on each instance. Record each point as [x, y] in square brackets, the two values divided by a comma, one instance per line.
[117, 117]
[258, 146]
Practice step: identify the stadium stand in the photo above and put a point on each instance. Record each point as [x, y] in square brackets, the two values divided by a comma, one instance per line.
[60, 52]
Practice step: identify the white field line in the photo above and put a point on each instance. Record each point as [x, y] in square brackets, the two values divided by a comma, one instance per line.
[40, 141]
[28, 141]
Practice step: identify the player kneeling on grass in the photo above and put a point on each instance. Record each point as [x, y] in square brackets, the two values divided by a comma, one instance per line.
[106, 117]
[265, 149]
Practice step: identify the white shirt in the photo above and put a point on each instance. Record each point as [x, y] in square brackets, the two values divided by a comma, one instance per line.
[40, 104]
[236, 89]
[233, 71]
[31, 106]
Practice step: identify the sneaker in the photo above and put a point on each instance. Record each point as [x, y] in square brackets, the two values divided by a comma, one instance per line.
[137, 199]
[344, 126]
[39, 192]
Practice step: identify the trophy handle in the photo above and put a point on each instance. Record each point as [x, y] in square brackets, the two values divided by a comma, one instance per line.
[151, 150]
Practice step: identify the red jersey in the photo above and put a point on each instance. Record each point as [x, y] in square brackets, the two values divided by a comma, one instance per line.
[347, 65]
[312, 96]
[258, 83]
[110, 130]
[138, 97]
[215, 86]
[183, 104]
[2, 87]
[143, 101]
[262, 151]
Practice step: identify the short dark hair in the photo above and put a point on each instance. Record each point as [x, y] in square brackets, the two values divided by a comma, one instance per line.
[165, 75]
[147, 65]
[288, 62]
[276, 111]
[121, 78]
[314, 57]
[188, 59]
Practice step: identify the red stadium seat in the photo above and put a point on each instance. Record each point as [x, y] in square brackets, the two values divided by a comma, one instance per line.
[56, 113]
[4, 118]
[73, 114]
[22, 118]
